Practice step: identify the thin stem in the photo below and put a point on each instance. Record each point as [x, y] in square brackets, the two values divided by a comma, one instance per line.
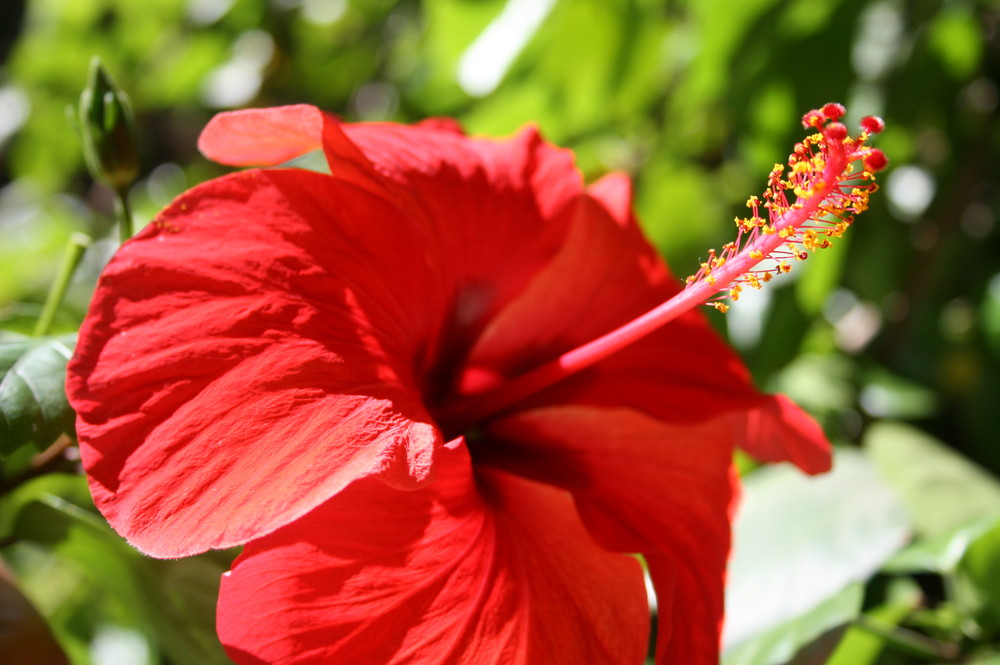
[78, 243]
[51, 460]
[908, 641]
[124, 213]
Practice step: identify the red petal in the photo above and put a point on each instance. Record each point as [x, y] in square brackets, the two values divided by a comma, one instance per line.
[641, 486]
[779, 431]
[263, 137]
[247, 356]
[431, 157]
[438, 576]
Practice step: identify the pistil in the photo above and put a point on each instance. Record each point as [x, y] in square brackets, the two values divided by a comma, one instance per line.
[828, 190]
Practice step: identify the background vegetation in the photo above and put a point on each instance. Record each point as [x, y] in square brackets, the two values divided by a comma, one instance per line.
[892, 339]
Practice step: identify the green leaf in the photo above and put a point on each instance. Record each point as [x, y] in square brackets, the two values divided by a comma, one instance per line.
[33, 405]
[802, 547]
[955, 39]
[943, 491]
[860, 646]
[887, 395]
[978, 587]
[940, 554]
[986, 659]
[778, 644]
[71, 487]
[173, 600]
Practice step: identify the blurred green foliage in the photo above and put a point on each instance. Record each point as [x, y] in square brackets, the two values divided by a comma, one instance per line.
[892, 339]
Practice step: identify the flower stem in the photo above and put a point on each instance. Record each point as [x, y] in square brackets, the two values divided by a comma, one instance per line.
[77, 245]
[123, 211]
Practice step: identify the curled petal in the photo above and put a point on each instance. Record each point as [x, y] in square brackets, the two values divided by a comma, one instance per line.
[779, 431]
[263, 137]
[484, 570]
[270, 136]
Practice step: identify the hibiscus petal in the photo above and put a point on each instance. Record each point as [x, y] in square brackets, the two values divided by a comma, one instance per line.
[245, 357]
[483, 570]
[263, 137]
[640, 485]
[779, 431]
[429, 157]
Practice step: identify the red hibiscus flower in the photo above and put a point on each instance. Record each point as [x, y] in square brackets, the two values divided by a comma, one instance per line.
[379, 381]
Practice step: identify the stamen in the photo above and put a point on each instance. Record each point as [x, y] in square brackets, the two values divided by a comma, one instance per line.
[827, 192]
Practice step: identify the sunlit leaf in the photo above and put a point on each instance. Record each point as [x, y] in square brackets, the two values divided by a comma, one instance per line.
[939, 554]
[942, 490]
[979, 576]
[801, 547]
[780, 643]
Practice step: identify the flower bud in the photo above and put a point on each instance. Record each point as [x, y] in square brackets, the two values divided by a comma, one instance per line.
[107, 129]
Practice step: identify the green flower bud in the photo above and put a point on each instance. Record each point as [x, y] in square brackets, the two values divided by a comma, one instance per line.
[107, 128]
